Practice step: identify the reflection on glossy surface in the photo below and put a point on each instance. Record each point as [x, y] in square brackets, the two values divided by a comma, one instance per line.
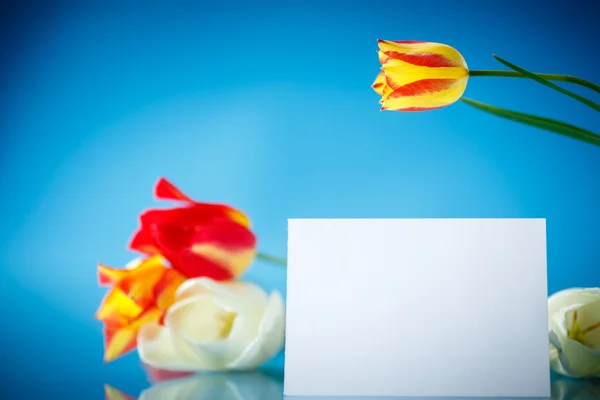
[572, 389]
[259, 386]
[408, 398]
[225, 386]
[222, 386]
[111, 393]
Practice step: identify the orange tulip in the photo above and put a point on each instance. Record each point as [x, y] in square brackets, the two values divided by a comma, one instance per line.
[198, 239]
[138, 295]
[419, 76]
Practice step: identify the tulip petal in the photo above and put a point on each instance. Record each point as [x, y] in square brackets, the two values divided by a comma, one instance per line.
[221, 250]
[588, 319]
[120, 340]
[186, 342]
[108, 275]
[379, 83]
[166, 287]
[580, 360]
[158, 347]
[425, 94]
[165, 190]
[229, 243]
[248, 301]
[117, 308]
[234, 294]
[566, 298]
[270, 339]
[143, 241]
[427, 54]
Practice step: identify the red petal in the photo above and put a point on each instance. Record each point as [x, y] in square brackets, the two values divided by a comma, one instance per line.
[192, 215]
[194, 266]
[165, 190]
[432, 60]
[226, 234]
[144, 242]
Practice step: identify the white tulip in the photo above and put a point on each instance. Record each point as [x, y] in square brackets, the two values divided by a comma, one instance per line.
[212, 326]
[575, 332]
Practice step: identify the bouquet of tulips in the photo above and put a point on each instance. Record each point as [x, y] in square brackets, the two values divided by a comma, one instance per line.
[181, 304]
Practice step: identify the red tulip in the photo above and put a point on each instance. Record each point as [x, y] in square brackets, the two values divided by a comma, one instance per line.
[198, 239]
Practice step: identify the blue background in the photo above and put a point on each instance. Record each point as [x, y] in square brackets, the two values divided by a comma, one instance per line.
[266, 106]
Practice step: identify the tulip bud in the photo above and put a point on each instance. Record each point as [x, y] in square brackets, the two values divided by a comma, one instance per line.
[419, 76]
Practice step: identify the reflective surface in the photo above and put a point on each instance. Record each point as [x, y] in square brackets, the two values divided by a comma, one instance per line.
[268, 385]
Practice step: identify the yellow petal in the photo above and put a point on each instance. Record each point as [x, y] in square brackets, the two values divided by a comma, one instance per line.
[379, 84]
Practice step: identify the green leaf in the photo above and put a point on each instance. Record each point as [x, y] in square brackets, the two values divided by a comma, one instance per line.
[539, 122]
[546, 82]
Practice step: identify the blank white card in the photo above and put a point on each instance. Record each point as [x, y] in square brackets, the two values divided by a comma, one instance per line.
[417, 307]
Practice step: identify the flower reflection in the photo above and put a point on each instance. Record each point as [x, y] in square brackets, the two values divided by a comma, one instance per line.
[222, 386]
[575, 389]
[111, 393]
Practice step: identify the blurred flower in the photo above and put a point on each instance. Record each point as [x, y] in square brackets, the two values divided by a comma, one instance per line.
[231, 386]
[140, 293]
[575, 332]
[419, 76]
[198, 239]
[212, 325]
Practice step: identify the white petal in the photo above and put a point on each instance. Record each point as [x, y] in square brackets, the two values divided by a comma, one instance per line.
[195, 322]
[580, 360]
[246, 299]
[158, 347]
[237, 294]
[588, 317]
[270, 337]
[571, 297]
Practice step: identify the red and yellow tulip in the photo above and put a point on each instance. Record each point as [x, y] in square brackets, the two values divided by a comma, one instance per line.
[139, 294]
[198, 239]
[419, 76]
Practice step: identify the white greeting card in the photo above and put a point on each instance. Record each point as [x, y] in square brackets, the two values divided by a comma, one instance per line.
[417, 307]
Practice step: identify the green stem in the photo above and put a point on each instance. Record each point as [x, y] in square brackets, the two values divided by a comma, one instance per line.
[550, 77]
[270, 258]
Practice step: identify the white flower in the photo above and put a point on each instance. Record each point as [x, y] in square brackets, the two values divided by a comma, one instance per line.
[575, 332]
[230, 386]
[213, 326]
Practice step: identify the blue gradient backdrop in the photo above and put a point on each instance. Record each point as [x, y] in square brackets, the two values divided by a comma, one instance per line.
[266, 106]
